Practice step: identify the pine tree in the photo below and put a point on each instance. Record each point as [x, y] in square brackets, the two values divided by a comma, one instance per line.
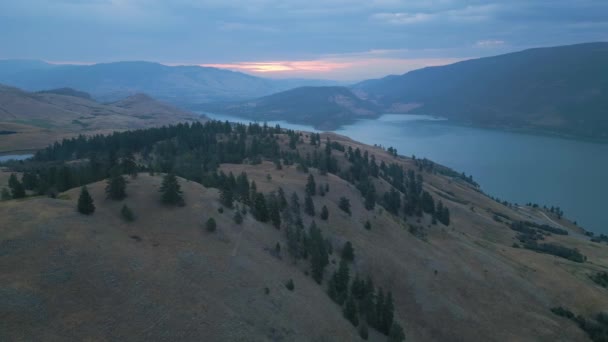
[388, 314]
[309, 205]
[324, 213]
[226, 197]
[396, 333]
[350, 311]
[128, 165]
[363, 331]
[344, 205]
[6, 195]
[171, 191]
[260, 211]
[116, 185]
[85, 202]
[17, 189]
[273, 210]
[210, 225]
[348, 253]
[127, 213]
[238, 218]
[311, 187]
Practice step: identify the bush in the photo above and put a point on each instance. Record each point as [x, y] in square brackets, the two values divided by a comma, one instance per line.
[290, 285]
[238, 218]
[127, 213]
[211, 225]
[344, 205]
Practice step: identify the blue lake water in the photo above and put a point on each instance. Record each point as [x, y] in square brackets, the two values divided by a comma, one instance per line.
[515, 167]
[7, 157]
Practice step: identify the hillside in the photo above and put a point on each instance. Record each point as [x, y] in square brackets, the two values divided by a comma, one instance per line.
[559, 89]
[181, 85]
[457, 264]
[325, 108]
[34, 120]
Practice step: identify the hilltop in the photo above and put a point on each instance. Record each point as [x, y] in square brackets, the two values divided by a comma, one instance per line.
[458, 265]
[34, 120]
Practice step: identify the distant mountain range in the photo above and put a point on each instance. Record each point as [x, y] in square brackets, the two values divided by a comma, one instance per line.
[181, 85]
[561, 90]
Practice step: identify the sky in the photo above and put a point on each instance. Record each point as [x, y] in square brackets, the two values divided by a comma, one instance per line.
[326, 39]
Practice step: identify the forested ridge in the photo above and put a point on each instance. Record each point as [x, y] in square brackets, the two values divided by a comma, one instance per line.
[196, 151]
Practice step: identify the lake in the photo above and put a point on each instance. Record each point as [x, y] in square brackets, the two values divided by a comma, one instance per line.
[516, 167]
[7, 157]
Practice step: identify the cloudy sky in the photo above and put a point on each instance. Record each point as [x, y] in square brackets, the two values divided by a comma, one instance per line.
[332, 39]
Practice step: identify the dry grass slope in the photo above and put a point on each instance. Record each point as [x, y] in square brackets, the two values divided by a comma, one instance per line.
[67, 276]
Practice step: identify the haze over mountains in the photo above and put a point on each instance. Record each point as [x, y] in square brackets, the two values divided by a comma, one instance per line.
[558, 90]
[175, 84]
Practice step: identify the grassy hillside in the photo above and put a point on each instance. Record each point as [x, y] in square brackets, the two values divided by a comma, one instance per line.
[35, 120]
[165, 276]
[323, 107]
[559, 89]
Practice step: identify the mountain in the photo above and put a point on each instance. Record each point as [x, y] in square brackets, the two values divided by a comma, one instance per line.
[404, 243]
[323, 107]
[560, 89]
[37, 119]
[182, 85]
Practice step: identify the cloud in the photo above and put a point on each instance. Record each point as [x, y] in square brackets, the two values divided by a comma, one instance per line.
[402, 18]
[489, 43]
[347, 67]
[293, 36]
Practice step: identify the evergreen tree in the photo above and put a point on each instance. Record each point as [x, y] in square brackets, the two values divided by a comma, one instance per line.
[116, 185]
[85, 202]
[127, 213]
[317, 250]
[311, 186]
[210, 225]
[350, 311]
[238, 218]
[17, 189]
[128, 165]
[368, 225]
[260, 211]
[324, 213]
[309, 205]
[273, 210]
[344, 205]
[387, 314]
[226, 197]
[396, 333]
[6, 195]
[281, 198]
[348, 253]
[363, 331]
[171, 191]
[379, 310]
[29, 180]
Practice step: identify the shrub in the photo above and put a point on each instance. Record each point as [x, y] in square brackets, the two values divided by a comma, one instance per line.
[127, 214]
[290, 285]
[211, 225]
